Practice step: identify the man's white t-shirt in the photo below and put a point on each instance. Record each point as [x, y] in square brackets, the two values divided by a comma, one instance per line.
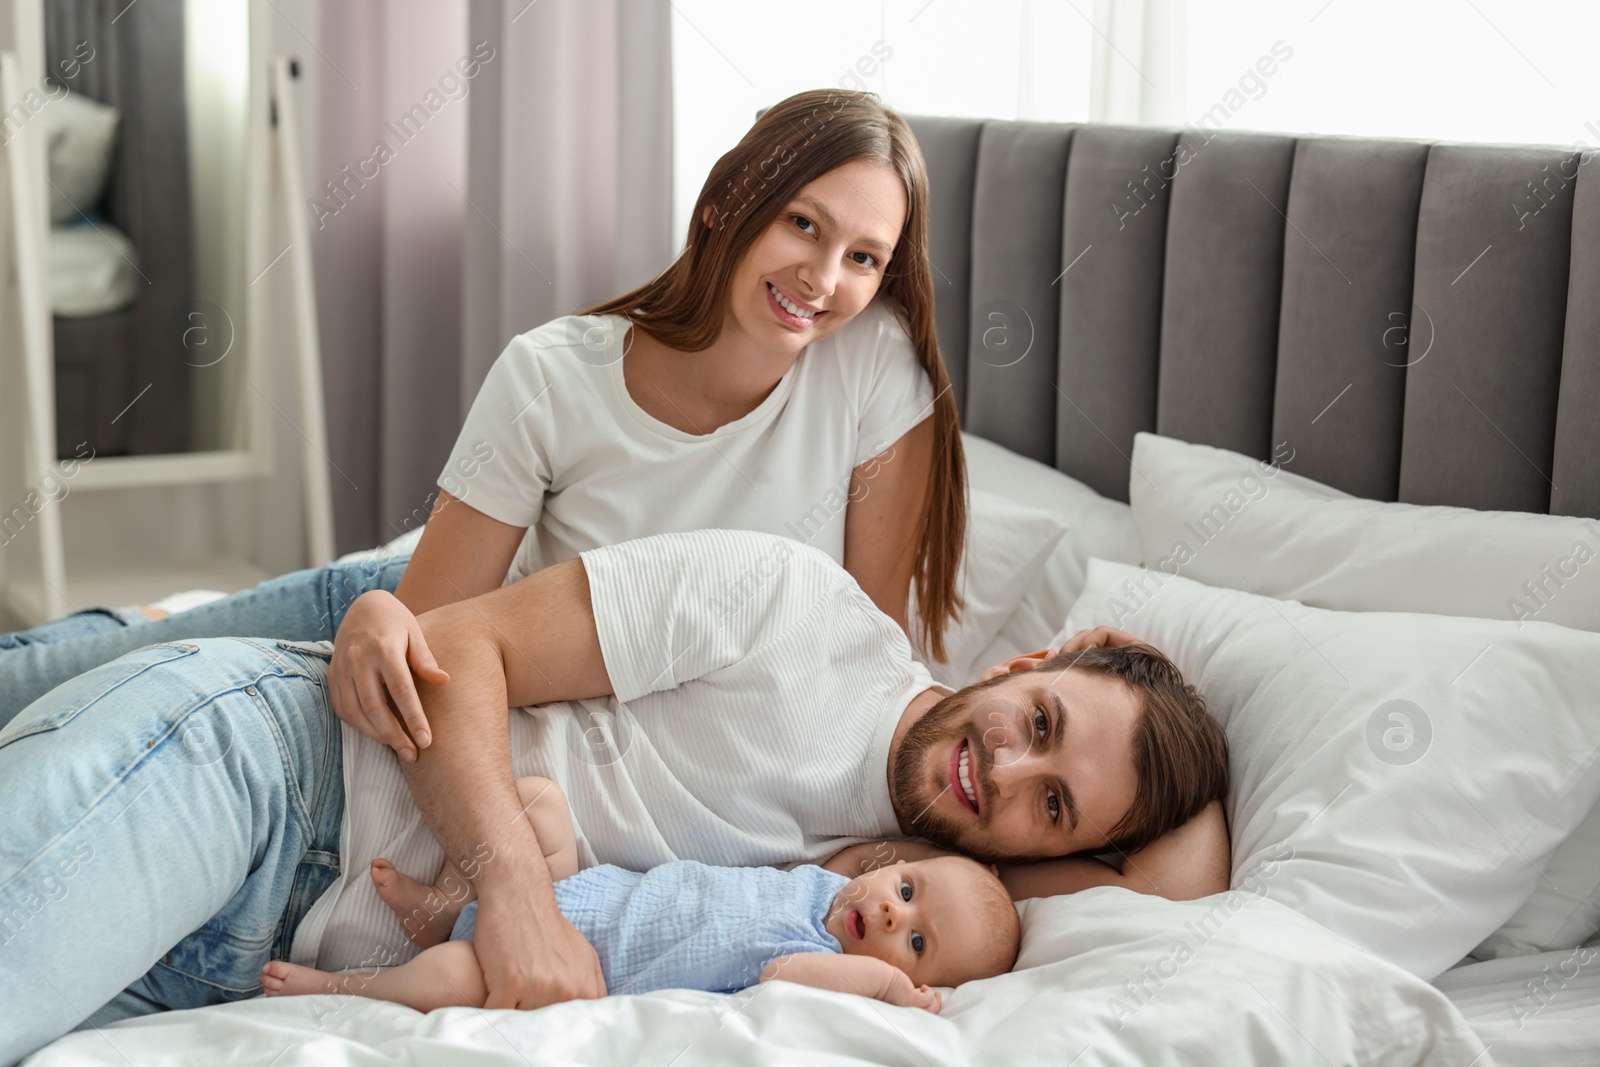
[555, 442]
[757, 690]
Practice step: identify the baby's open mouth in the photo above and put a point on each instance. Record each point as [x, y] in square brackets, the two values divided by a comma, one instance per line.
[856, 924]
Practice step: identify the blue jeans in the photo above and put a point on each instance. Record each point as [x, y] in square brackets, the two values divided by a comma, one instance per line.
[169, 819]
[303, 605]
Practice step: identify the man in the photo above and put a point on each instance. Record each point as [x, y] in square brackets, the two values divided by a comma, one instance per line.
[718, 695]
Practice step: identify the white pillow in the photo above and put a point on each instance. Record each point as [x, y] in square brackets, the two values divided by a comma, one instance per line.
[1234, 978]
[1283, 535]
[403, 545]
[1096, 526]
[1229, 520]
[92, 270]
[81, 135]
[1416, 769]
[1007, 545]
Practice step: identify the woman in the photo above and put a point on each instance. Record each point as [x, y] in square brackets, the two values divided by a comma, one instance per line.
[683, 404]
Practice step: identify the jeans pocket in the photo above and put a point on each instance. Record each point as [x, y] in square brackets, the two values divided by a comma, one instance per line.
[316, 872]
[211, 965]
[64, 703]
[321, 649]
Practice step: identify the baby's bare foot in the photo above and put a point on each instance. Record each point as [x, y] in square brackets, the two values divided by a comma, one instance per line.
[427, 914]
[280, 978]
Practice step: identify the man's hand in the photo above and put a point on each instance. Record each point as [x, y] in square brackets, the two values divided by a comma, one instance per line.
[531, 956]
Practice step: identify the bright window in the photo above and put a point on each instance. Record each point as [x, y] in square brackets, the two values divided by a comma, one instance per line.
[982, 58]
[1447, 70]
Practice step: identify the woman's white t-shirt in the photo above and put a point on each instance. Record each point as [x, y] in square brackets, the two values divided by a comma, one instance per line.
[554, 442]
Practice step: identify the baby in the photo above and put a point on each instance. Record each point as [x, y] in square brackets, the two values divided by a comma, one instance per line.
[890, 934]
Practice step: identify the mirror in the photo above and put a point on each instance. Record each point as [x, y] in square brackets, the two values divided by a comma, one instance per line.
[145, 137]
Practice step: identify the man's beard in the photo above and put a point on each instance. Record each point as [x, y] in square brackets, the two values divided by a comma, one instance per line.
[908, 791]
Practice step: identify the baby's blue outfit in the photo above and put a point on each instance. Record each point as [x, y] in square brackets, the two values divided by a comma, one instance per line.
[688, 925]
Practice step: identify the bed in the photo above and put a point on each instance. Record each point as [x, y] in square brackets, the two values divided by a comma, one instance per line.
[1356, 380]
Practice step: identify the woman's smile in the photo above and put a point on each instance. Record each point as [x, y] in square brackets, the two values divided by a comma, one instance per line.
[791, 312]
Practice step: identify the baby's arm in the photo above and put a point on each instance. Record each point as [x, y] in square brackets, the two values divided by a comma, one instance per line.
[865, 975]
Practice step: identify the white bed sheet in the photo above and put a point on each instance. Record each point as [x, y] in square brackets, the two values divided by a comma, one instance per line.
[1541, 1010]
[1099, 982]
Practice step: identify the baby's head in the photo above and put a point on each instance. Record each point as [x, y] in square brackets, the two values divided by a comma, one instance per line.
[943, 921]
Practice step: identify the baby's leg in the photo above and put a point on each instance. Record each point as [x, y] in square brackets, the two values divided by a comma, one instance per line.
[427, 912]
[546, 807]
[430, 912]
[444, 976]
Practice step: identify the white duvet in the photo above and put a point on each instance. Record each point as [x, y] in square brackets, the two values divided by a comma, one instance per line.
[1106, 977]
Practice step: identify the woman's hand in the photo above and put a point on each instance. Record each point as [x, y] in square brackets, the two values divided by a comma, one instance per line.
[903, 994]
[376, 648]
[1099, 637]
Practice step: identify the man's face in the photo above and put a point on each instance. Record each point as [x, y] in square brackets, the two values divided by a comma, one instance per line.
[1000, 773]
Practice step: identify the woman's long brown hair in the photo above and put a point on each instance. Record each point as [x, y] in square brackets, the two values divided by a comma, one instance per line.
[791, 145]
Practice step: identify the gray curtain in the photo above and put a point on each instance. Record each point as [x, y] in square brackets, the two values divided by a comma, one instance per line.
[570, 165]
[545, 187]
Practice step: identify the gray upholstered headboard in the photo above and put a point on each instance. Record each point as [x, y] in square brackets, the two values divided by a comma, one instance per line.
[1421, 322]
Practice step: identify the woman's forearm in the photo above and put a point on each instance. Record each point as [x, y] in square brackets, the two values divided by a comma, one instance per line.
[463, 553]
[888, 495]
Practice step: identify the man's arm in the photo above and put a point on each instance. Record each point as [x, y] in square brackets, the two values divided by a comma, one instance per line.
[677, 606]
[541, 631]
[531, 642]
[1184, 864]
[866, 976]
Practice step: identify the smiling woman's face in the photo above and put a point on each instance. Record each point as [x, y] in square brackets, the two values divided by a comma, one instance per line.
[1040, 764]
[825, 255]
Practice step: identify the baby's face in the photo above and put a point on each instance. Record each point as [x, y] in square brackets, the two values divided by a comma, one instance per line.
[918, 916]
